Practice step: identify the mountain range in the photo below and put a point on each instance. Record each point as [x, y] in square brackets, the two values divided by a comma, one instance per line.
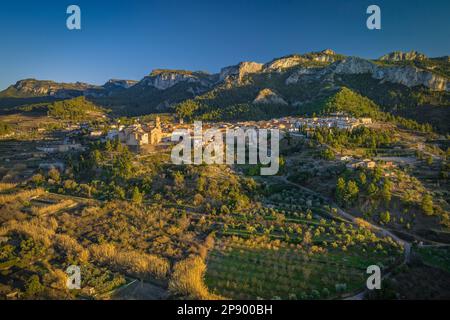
[404, 83]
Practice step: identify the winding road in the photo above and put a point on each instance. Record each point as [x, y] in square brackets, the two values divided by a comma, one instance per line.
[380, 231]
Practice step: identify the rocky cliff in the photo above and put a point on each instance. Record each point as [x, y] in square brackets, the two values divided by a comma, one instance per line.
[118, 83]
[298, 81]
[403, 56]
[164, 79]
[33, 87]
[409, 76]
[283, 63]
[267, 96]
[239, 71]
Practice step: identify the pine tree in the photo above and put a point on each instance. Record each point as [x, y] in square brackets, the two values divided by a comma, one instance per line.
[340, 190]
[427, 204]
[137, 196]
[385, 217]
[387, 195]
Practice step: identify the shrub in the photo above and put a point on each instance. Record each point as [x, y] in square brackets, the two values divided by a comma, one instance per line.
[187, 279]
[138, 264]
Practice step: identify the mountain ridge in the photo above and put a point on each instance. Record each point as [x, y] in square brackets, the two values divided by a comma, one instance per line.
[396, 81]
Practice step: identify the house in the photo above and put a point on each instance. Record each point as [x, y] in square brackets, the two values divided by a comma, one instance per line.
[388, 165]
[366, 163]
[137, 135]
[95, 133]
[370, 164]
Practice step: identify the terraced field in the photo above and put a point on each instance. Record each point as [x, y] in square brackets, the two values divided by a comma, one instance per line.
[438, 257]
[241, 268]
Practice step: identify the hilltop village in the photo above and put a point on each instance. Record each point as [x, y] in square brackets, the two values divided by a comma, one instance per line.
[143, 136]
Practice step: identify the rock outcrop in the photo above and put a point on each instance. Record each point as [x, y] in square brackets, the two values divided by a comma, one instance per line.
[239, 71]
[280, 64]
[406, 75]
[284, 63]
[118, 83]
[164, 79]
[326, 55]
[267, 96]
[403, 56]
[33, 87]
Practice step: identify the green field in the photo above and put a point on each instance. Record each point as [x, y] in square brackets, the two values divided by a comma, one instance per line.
[251, 269]
[436, 257]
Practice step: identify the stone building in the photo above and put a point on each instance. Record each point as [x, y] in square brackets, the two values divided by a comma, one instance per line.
[137, 135]
[133, 135]
[156, 133]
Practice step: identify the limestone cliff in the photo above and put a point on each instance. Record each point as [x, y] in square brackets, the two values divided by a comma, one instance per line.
[164, 79]
[118, 83]
[267, 96]
[239, 71]
[280, 64]
[406, 75]
[403, 56]
[33, 87]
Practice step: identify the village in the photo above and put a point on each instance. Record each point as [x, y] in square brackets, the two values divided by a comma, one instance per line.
[143, 136]
[153, 135]
[76, 162]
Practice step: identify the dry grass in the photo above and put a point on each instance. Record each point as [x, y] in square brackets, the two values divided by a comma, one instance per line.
[53, 208]
[32, 229]
[188, 279]
[21, 196]
[71, 247]
[6, 186]
[133, 262]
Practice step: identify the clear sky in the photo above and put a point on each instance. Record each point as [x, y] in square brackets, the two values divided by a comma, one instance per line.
[127, 39]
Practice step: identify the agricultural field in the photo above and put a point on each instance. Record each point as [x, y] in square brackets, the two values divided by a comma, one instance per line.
[33, 256]
[438, 257]
[406, 188]
[295, 249]
[136, 224]
[240, 268]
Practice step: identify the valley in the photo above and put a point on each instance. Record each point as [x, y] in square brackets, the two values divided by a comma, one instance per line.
[86, 179]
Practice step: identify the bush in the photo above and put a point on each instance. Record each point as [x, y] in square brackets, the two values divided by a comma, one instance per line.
[138, 264]
[427, 205]
[187, 279]
[33, 287]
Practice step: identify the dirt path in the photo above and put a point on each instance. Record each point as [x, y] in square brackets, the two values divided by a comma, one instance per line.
[344, 214]
[139, 290]
[347, 216]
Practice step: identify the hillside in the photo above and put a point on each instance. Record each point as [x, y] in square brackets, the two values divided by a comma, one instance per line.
[30, 91]
[75, 109]
[408, 84]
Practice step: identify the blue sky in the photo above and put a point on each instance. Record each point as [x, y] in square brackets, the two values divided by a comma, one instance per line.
[127, 39]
